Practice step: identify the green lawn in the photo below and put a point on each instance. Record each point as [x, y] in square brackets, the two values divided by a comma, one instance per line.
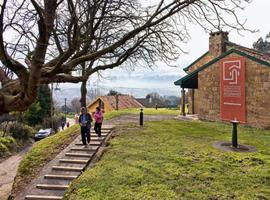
[146, 111]
[176, 160]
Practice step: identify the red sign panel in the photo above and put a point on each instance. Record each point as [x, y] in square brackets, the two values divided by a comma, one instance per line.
[232, 90]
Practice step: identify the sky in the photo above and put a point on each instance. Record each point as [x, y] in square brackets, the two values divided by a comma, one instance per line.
[161, 77]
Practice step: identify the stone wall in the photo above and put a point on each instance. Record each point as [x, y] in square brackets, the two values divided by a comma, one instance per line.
[196, 102]
[200, 62]
[257, 93]
[208, 93]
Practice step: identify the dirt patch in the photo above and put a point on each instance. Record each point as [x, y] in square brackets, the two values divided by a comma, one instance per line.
[8, 170]
[227, 146]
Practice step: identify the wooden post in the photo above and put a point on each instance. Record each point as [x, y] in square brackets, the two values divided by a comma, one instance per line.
[183, 102]
[116, 101]
[193, 104]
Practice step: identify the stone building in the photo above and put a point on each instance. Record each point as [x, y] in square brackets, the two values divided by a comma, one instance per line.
[229, 82]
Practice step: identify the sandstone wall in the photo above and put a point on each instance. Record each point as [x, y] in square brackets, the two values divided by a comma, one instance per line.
[200, 63]
[257, 93]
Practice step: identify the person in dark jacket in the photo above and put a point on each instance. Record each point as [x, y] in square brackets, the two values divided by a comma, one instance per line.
[85, 120]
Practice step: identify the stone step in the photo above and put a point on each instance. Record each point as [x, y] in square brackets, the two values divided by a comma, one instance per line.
[61, 177]
[42, 197]
[102, 135]
[97, 139]
[51, 187]
[103, 128]
[65, 168]
[86, 155]
[88, 148]
[73, 161]
[94, 143]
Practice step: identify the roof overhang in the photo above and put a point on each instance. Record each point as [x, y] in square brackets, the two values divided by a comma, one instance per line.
[191, 80]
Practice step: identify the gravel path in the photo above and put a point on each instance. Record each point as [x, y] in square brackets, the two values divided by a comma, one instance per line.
[135, 119]
[8, 170]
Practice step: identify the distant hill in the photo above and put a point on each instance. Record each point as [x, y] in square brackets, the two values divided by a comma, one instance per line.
[71, 93]
[137, 85]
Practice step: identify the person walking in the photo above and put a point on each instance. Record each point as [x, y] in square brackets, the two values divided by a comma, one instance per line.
[98, 116]
[85, 120]
[63, 125]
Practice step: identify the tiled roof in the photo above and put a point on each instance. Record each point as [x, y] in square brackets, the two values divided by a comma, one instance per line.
[124, 102]
[255, 57]
[229, 45]
[251, 52]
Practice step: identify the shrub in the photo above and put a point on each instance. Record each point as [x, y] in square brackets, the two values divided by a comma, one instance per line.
[20, 131]
[7, 141]
[3, 149]
[57, 121]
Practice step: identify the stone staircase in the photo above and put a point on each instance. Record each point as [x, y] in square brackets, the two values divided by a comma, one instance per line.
[68, 166]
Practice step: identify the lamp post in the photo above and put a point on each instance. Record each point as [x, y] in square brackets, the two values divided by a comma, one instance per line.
[65, 110]
[52, 105]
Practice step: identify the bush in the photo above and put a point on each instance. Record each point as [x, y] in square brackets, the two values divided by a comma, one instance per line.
[3, 149]
[57, 121]
[7, 141]
[21, 131]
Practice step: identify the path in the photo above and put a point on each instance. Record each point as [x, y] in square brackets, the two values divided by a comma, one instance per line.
[8, 170]
[55, 177]
[135, 119]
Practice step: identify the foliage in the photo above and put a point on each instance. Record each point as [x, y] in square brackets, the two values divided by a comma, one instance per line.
[44, 98]
[54, 122]
[146, 111]
[59, 37]
[177, 160]
[21, 131]
[32, 116]
[65, 108]
[75, 105]
[263, 45]
[3, 149]
[7, 141]
[41, 108]
[154, 99]
[41, 153]
[6, 145]
[113, 93]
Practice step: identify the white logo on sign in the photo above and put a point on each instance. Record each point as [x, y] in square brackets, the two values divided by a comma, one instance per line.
[232, 74]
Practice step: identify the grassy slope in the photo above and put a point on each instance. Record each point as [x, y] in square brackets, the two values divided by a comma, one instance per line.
[176, 160]
[40, 154]
[146, 111]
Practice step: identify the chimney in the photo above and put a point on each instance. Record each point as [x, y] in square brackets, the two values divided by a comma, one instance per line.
[217, 43]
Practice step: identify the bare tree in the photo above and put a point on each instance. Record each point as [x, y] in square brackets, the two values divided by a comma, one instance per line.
[75, 105]
[53, 38]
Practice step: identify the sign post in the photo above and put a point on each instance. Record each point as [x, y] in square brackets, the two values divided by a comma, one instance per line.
[232, 90]
[232, 93]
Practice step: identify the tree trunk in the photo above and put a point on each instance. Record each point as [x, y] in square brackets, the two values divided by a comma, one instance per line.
[83, 88]
[83, 94]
